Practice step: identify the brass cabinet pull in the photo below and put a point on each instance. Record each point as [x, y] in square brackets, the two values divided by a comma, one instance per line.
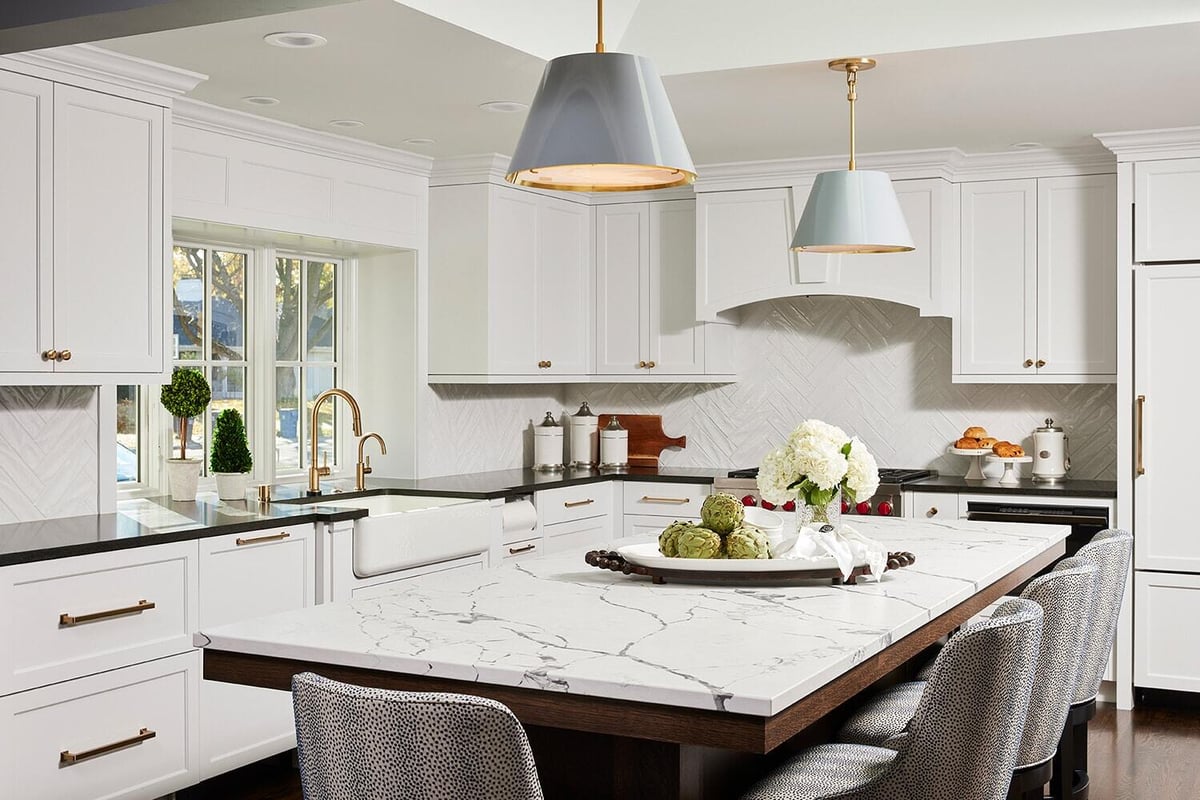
[274, 537]
[544, 364]
[1141, 418]
[514, 550]
[49, 355]
[1041, 362]
[67, 620]
[678, 501]
[548, 364]
[932, 512]
[64, 355]
[67, 757]
[641, 365]
[649, 365]
[1028, 363]
[577, 503]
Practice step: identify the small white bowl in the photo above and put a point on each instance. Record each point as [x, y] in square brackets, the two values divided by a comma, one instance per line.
[771, 524]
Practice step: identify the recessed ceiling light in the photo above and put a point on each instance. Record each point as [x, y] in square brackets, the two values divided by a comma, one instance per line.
[261, 100]
[1026, 146]
[346, 123]
[294, 39]
[504, 106]
[419, 140]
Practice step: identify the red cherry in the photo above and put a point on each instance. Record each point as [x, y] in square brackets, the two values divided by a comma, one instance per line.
[845, 506]
[749, 500]
[790, 505]
[863, 508]
[768, 505]
[885, 508]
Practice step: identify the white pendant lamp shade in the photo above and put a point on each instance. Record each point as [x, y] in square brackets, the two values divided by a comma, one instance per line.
[852, 211]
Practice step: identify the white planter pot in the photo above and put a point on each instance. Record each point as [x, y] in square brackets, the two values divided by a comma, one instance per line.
[232, 485]
[182, 476]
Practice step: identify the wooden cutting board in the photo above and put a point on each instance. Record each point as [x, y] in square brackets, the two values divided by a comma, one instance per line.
[646, 437]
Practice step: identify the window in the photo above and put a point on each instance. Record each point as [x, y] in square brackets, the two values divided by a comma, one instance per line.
[214, 331]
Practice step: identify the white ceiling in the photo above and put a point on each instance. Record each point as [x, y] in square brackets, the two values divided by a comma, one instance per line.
[747, 79]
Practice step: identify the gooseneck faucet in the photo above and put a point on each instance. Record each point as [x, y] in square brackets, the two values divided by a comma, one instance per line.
[363, 468]
[315, 473]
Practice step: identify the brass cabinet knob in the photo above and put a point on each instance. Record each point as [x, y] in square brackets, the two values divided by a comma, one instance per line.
[641, 365]
[543, 364]
[932, 512]
[64, 355]
[1028, 363]
[50, 355]
[649, 365]
[1041, 362]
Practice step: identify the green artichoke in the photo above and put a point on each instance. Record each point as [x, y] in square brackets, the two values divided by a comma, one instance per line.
[697, 542]
[722, 512]
[747, 541]
[668, 540]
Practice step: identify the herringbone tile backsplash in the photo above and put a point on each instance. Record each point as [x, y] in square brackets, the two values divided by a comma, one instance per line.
[48, 461]
[877, 369]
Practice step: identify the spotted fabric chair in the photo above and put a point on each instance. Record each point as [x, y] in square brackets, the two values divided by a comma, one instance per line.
[1110, 551]
[357, 743]
[961, 743]
[1065, 596]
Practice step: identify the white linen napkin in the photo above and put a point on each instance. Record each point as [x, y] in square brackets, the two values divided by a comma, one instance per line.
[846, 545]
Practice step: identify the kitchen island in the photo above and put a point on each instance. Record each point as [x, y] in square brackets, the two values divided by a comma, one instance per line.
[629, 689]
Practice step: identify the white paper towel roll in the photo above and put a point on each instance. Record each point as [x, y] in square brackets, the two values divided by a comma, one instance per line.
[519, 515]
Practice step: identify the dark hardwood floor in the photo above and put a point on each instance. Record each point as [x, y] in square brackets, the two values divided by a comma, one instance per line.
[1151, 753]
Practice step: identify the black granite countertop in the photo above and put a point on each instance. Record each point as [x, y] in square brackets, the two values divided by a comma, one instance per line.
[1026, 486]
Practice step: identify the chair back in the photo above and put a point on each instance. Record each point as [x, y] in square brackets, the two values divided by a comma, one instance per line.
[963, 740]
[357, 743]
[1065, 596]
[1110, 551]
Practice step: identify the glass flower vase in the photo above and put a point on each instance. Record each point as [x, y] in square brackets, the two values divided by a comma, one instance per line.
[815, 516]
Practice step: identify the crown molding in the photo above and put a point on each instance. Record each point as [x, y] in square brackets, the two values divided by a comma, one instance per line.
[93, 63]
[1040, 163]
[1153, 144]
[214, 119]
[480, 168]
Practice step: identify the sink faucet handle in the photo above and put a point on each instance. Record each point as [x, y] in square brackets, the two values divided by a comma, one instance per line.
[324, 470]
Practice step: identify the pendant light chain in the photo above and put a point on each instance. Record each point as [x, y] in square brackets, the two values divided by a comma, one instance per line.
[599, 26]
[851, 95]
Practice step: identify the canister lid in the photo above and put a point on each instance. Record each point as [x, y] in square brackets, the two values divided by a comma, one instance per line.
[614, 424]
[1049, 427]
[584, 410]
[549, 421]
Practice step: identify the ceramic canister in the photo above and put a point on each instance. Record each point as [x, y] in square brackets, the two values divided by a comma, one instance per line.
[1051, 458]
[585, 439]
[548, 445]
[614, 445]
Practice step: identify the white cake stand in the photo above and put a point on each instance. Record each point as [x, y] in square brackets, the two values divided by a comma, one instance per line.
[975, 472]
[1009, 478]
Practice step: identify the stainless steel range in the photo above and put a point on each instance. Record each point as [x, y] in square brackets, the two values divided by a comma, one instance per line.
[887, 502]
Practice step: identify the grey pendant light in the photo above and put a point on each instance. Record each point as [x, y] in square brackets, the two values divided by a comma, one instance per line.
[852, 210]
[601, 122]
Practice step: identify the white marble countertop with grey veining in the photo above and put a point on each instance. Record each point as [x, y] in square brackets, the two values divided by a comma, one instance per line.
[560, 625]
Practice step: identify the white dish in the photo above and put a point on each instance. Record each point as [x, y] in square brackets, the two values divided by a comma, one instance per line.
[958, 451]
[647, 555]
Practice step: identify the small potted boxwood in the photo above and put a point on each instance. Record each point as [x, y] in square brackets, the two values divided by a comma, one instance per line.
[185, 397]
[230, 459]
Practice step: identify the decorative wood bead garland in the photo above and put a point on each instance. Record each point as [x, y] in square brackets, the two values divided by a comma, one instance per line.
[611, 560]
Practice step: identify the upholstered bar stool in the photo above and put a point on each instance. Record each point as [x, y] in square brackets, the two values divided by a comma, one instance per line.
[961, 743]
[357, 743]
[1110, 551]
[1065, 595]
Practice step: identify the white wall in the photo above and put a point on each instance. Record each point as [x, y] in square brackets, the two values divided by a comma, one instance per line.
[48, 452]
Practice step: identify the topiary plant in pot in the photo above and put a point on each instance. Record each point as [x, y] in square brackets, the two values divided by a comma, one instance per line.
[230, 459]
[185, 397]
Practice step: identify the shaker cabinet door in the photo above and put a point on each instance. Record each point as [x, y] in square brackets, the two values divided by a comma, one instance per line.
[1165, 196]
[622, 287]
[676, 338]
[564, 292]
[512, 281]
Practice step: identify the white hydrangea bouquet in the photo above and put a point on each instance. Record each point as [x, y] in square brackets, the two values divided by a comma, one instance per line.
[818, 462]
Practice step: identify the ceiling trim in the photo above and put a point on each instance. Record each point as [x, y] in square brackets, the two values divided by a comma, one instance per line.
[206, 117]
[1153, 144]
[481, 168]
[97, 64]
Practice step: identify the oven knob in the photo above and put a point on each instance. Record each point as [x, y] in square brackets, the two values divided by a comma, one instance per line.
[863, 508]
[768, 505]
[885, 508]
[749, 500]
[790, 505]
[845, 506]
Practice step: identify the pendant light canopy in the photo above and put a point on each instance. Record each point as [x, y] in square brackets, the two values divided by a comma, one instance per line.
[601, 122]
[851, 210]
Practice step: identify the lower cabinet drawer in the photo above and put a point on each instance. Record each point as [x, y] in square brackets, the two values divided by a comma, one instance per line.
[578, 535]
[518, 551]
[129, 733]
[1165, 654]
[637, 525]
[81, 615]
[659, 499]
[574, 502]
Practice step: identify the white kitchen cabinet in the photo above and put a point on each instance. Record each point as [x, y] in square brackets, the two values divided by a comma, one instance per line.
[639, 525]
[1165, 197]
[242, 576]
[1037, 294]
[577, 535]
[622, 288]
[931, 505]
[88, 194]
[1165, 654]
[570, 503]
[510, 286]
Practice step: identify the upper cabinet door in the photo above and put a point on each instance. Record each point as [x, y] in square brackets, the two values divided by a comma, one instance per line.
[109, 257]
[998, 328]
[676, 340]
[743, 251]
[564, 280]
[622, 286]
[512, 279]
[1166, 195]
[26, 214]
[1077, 256]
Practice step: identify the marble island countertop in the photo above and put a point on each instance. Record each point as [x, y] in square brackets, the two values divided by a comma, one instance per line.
[558, 625]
